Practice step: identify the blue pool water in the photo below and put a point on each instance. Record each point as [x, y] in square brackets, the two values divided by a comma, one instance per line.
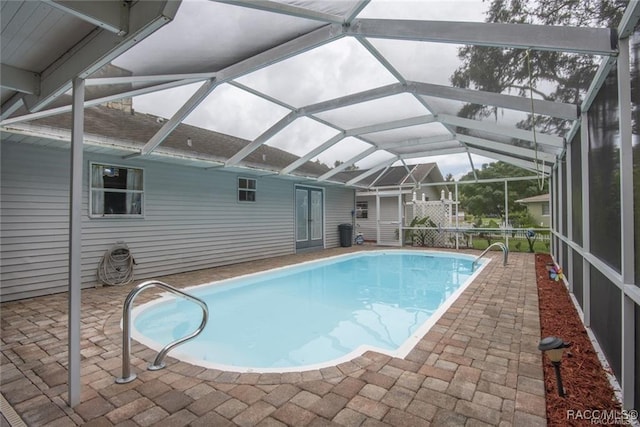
[310, 315]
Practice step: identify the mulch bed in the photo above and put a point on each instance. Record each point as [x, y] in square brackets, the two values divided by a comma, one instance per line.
[585, 382]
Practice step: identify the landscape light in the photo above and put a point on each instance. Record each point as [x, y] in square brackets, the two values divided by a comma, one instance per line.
[554, 347]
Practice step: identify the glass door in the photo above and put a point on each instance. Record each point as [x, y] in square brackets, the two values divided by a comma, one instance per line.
[309, 218]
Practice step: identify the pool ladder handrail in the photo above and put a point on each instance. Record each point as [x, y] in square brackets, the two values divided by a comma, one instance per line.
[158, 363]
[502, 246]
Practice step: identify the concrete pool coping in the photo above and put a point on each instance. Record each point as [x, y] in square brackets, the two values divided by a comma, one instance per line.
[479, 365]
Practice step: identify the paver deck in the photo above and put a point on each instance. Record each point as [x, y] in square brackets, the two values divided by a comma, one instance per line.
[478, 366]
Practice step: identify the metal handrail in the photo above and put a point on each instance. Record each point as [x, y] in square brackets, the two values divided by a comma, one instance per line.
[502, 246]
[158, 363]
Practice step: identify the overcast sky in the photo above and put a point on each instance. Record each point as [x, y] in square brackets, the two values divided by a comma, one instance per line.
[326, 72]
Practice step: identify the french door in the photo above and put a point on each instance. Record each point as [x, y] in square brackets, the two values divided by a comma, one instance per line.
[309, 218]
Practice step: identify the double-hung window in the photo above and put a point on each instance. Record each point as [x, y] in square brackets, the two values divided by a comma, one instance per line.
[362, 210]
[116, 191]
[246, 190]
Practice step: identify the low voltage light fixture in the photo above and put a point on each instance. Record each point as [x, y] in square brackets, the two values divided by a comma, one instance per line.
[553, 347]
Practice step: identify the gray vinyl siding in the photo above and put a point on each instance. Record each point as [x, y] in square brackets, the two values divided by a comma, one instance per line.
[367, 226]
[192, 220]
[339, 203]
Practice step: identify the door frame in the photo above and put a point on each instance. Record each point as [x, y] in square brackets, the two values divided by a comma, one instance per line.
[322, 243]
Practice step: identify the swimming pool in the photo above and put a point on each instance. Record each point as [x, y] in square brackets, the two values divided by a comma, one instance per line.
[311, 315]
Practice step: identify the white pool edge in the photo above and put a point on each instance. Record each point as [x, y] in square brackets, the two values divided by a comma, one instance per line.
[401, 352]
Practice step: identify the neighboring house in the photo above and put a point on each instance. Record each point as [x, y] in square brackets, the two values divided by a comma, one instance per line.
[538, 207]
[178, 209]
[393, 184]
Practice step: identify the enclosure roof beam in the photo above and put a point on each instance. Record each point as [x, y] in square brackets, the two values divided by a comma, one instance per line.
[264, 137]
[513, 132]
[311, 154]
[395, 124]
[373, 170]
[103, 81]
[506, 148]
[92, 102]
[98, 48]
[285, 9]
[113, 16]
[436, 152]
[355, 98]
[203, 91]
[594, 41]
[629, 19]
[11, 106]
[529, 165]
[518, 103]
[346, 164]
[410, 142]
[281, 52]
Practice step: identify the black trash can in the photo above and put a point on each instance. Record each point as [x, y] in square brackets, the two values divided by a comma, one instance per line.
[346, 233]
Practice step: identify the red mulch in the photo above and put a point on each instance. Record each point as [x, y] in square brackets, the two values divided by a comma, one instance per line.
[585, 383]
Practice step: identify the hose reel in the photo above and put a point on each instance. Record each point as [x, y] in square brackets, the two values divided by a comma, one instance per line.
[116, 265]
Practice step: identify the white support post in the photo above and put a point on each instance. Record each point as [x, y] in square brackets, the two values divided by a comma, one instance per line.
[400, 217]
[569, 231]
[627, 224]
[457, 217]
[506, 212]
[75, 242]
[560, 216]
[586, 217]
[378, 234]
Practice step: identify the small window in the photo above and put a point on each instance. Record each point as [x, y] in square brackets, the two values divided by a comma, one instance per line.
[246, 190]
[362, 210]
[116, 191]
[545, 209]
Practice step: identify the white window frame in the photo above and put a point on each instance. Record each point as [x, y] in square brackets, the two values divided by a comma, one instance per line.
[366, 210]
[247, 189]
[548, 209]
[92, 189]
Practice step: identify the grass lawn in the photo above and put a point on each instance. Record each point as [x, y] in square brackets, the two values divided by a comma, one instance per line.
[538, 247]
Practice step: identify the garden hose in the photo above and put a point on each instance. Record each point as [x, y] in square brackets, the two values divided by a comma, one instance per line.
[116, 266]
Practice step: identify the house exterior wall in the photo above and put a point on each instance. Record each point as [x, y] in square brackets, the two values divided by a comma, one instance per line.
[535, 209]
[192, 220]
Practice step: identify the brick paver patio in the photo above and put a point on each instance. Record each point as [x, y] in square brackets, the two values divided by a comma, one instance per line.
[478, 366]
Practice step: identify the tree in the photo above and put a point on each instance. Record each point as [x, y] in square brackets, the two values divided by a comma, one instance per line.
[488, 198]
[553, 76]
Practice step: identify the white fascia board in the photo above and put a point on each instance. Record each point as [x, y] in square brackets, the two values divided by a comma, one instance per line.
[347, 163]
[285, 9]
[518, 103]
[23, 81]
[436, 152]
[356, 98]
[371, 171]
[311, 154]
[92, 102]
[281, 52]
[594, 41]
[194, 77]
[195, 100]
[508, 159]
[264, 137]
[416, 141]
[113, 16]
[506, 148]
[98, 48]
[396, 124]
[513, 132]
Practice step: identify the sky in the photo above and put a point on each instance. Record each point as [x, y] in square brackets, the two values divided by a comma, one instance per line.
[329, 71]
